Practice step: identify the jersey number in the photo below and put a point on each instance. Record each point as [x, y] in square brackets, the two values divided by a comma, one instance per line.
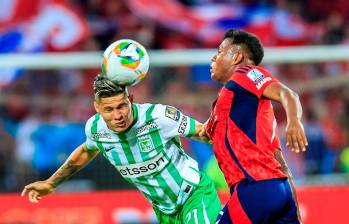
[195, 216]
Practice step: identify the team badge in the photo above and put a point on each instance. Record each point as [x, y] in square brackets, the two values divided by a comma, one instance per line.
[145, 143]
[172, 113]
[255, 75]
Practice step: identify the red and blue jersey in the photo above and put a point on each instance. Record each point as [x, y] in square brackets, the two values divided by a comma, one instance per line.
[243, 128]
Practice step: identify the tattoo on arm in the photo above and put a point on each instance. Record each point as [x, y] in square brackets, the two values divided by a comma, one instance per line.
[64, 172]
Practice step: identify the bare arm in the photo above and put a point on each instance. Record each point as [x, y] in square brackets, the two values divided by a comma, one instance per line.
[76, 161]
[295, 135]
[284, 168]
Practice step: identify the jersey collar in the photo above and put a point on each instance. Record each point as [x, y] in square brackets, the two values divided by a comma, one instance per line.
[135, 114]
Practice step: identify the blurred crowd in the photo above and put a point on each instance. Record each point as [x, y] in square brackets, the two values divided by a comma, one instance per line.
[43, 112]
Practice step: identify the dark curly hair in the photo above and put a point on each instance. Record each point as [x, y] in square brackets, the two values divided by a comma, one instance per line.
[250, 41]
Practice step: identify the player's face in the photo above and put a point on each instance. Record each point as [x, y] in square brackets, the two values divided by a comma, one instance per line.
[222, 63]
[116, 111]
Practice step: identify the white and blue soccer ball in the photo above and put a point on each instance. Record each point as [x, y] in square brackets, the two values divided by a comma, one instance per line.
[125, 62]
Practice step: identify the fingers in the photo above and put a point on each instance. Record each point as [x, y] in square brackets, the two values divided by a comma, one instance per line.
[26, 189]
[296, 141]
[34, 196]
[24, 192]
[202, 132]
[301, 145]
[305, 140]
[289, 140]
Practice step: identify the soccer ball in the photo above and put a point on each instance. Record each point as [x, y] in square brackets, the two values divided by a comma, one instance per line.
[125, 62]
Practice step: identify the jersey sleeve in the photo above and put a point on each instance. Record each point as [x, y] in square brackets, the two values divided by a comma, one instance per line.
[174, 123]
[90, 144]
[255, 80]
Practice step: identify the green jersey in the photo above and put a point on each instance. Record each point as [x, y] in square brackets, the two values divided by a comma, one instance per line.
[149, 154]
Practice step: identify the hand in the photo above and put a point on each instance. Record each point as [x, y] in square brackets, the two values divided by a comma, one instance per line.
[37, 189]
[202, 134]
[295, 136]
[202, 130]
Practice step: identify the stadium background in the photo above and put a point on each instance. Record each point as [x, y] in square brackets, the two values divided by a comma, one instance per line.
[44, 103]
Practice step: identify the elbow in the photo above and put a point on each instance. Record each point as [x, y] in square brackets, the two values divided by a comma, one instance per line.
[287, 96]
[295, 97]
[294, 94]
[291, 93]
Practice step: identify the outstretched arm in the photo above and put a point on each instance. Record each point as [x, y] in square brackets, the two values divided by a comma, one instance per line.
[76, 161]
[295, 135]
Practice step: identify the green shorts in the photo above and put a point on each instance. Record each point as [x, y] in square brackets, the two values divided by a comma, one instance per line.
[202, 207]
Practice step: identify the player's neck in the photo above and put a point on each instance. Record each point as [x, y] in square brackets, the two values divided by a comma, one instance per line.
[244, 63]
[234, 68]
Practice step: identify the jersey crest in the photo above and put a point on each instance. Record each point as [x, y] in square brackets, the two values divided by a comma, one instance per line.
[145, 143]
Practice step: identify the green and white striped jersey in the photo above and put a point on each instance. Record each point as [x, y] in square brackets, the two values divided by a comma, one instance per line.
[149, 153]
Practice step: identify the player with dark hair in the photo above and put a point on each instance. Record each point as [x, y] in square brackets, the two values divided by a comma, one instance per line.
[245, 138]
[142, 142]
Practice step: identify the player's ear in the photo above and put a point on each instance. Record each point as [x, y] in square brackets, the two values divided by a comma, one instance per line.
[95, 104]
[238, 57]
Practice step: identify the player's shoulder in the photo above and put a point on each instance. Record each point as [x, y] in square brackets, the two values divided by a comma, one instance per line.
[145, 109]
[90, 121]
[158, 112]
[164, 112]
[250, 69]
[250, 72]
[94, 118]
[168, 112]
[94, 123]
[262, 70]
[96, 129]
[244, 69]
